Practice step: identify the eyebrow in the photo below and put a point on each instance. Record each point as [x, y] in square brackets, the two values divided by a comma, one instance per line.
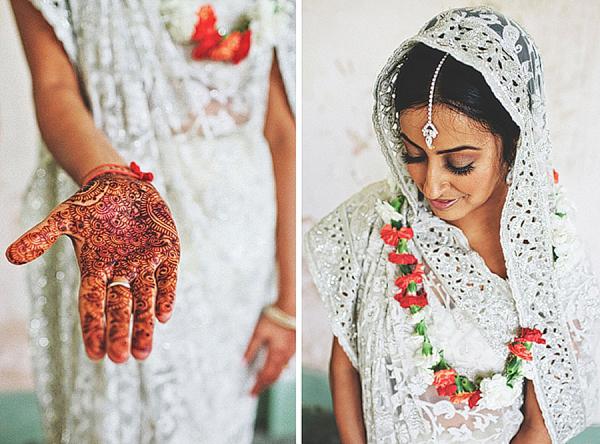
[449, 150]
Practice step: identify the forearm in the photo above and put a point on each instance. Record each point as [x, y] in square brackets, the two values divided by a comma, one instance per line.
[65, 123]
[69, 132]
[347, 397]
[533, 430]
[280, 132]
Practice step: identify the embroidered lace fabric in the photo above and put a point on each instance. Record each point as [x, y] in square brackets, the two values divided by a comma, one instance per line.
[350, 269]
[198, 126]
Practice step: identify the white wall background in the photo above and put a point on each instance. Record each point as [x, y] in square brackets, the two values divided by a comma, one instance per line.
[18, 151]
[346, 43]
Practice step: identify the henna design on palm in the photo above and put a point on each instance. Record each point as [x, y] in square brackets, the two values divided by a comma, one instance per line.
[122, 230]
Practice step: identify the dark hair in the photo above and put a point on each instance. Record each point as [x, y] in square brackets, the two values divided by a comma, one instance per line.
[459, 87]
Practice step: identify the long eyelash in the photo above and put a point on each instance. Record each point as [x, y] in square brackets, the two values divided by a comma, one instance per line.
[409, 159]
[460, 171]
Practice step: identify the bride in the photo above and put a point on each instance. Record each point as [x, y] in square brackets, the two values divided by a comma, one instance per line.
[461, 304]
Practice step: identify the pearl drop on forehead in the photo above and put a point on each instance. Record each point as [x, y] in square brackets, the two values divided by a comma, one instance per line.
[429, 130]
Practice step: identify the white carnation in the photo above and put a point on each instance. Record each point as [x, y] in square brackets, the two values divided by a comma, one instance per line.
[527, 369]
[180, 19]
[563, 204]
[495, 394]
[424, 313]
[563, 231]
[267, 19]
[426, 361]
[386, 211]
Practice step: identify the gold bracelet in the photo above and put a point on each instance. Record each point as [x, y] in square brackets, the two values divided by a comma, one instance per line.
[278, 316]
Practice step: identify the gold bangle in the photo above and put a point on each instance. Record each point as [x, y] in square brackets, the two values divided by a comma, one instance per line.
[279, 317]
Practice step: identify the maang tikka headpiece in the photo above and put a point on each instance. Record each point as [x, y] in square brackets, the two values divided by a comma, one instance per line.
[429, 130]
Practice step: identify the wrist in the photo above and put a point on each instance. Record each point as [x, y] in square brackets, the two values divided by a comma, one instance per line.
[279, 317]
[133, 170]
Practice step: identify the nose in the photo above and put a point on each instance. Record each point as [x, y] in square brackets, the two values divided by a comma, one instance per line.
[436, 181]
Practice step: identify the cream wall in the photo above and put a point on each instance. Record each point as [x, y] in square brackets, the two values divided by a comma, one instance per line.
[346, 43]
[18, 148]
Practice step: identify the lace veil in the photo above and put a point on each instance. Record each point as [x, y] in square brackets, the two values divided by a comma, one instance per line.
[562, 301]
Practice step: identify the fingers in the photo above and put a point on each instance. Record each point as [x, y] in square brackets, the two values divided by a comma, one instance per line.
[274, 365]
[166, 279]
[92, 296]
[280, 343]
[118, 319]
[36, 241]
[144, 291]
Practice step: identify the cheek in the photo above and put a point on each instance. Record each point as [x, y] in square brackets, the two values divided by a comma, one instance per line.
[417, 172]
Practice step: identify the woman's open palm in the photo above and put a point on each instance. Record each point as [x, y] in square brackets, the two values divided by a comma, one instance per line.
[128, 251]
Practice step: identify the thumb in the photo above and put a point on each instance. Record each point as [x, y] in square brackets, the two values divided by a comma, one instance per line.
[36, 241]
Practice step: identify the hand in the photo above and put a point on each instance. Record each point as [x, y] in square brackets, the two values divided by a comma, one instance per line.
[281, 346]
[122, 231]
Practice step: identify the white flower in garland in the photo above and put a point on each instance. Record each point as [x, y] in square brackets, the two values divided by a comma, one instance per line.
[267, 19]
[180, 19]
[496, 393]
[386, 211]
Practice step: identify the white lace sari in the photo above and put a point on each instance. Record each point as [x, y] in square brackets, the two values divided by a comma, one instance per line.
[475, 313]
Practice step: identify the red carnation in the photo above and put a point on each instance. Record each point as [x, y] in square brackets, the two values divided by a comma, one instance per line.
[555, 176]
[519, 350]
[226, 48]
[531, 335]
[407, 300]
[390, 235]
[448, 390]
[402, 258]
[243, 48]
[204, 47]
[474, 399]
[460, 397]
[206, 23]
[416, 276]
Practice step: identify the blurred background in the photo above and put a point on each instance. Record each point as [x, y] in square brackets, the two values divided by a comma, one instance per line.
[345, 45]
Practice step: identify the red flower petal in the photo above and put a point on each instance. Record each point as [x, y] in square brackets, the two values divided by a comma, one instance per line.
[474, 399]
[390, 235]
[204, 47]
[460, 397]
[445, 377]
[402, 258]
[531, 335]
[243, 48]
[226, 48]
[519, 350]
[447, 390]
[555, 176]
[206, 23]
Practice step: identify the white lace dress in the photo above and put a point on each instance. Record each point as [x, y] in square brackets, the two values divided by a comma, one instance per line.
[198, 126]
[349, 262]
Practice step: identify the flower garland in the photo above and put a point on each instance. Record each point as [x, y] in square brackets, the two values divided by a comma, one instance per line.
[261, 24]
[493, 392]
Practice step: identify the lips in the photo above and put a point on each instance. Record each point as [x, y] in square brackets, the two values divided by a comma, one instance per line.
[443, 204]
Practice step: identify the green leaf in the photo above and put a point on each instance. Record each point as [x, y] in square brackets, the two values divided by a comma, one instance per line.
[427, 348]
[397, 203]
[421, 328]
[401, 248]
[405, 269]
[415, 309]
[395, 224]
[412, 287]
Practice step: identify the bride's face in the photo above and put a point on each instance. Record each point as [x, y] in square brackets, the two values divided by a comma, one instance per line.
[463, 177]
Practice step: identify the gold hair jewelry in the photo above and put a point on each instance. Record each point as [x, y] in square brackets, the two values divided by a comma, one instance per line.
[278, 316]
[429, 130]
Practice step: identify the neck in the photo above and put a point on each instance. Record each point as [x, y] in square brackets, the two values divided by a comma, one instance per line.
[482, 230]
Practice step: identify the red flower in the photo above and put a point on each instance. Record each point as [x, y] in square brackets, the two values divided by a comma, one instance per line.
[448, 390]
[460, 397]
[531, 335]
[474, 399]
[555, 176]
[243, 48]
[416, 276]
[406, 300]
[206, 23]
[227, 47]
[204, 47]
[402, 258]
[390, 235]
[519, 350]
